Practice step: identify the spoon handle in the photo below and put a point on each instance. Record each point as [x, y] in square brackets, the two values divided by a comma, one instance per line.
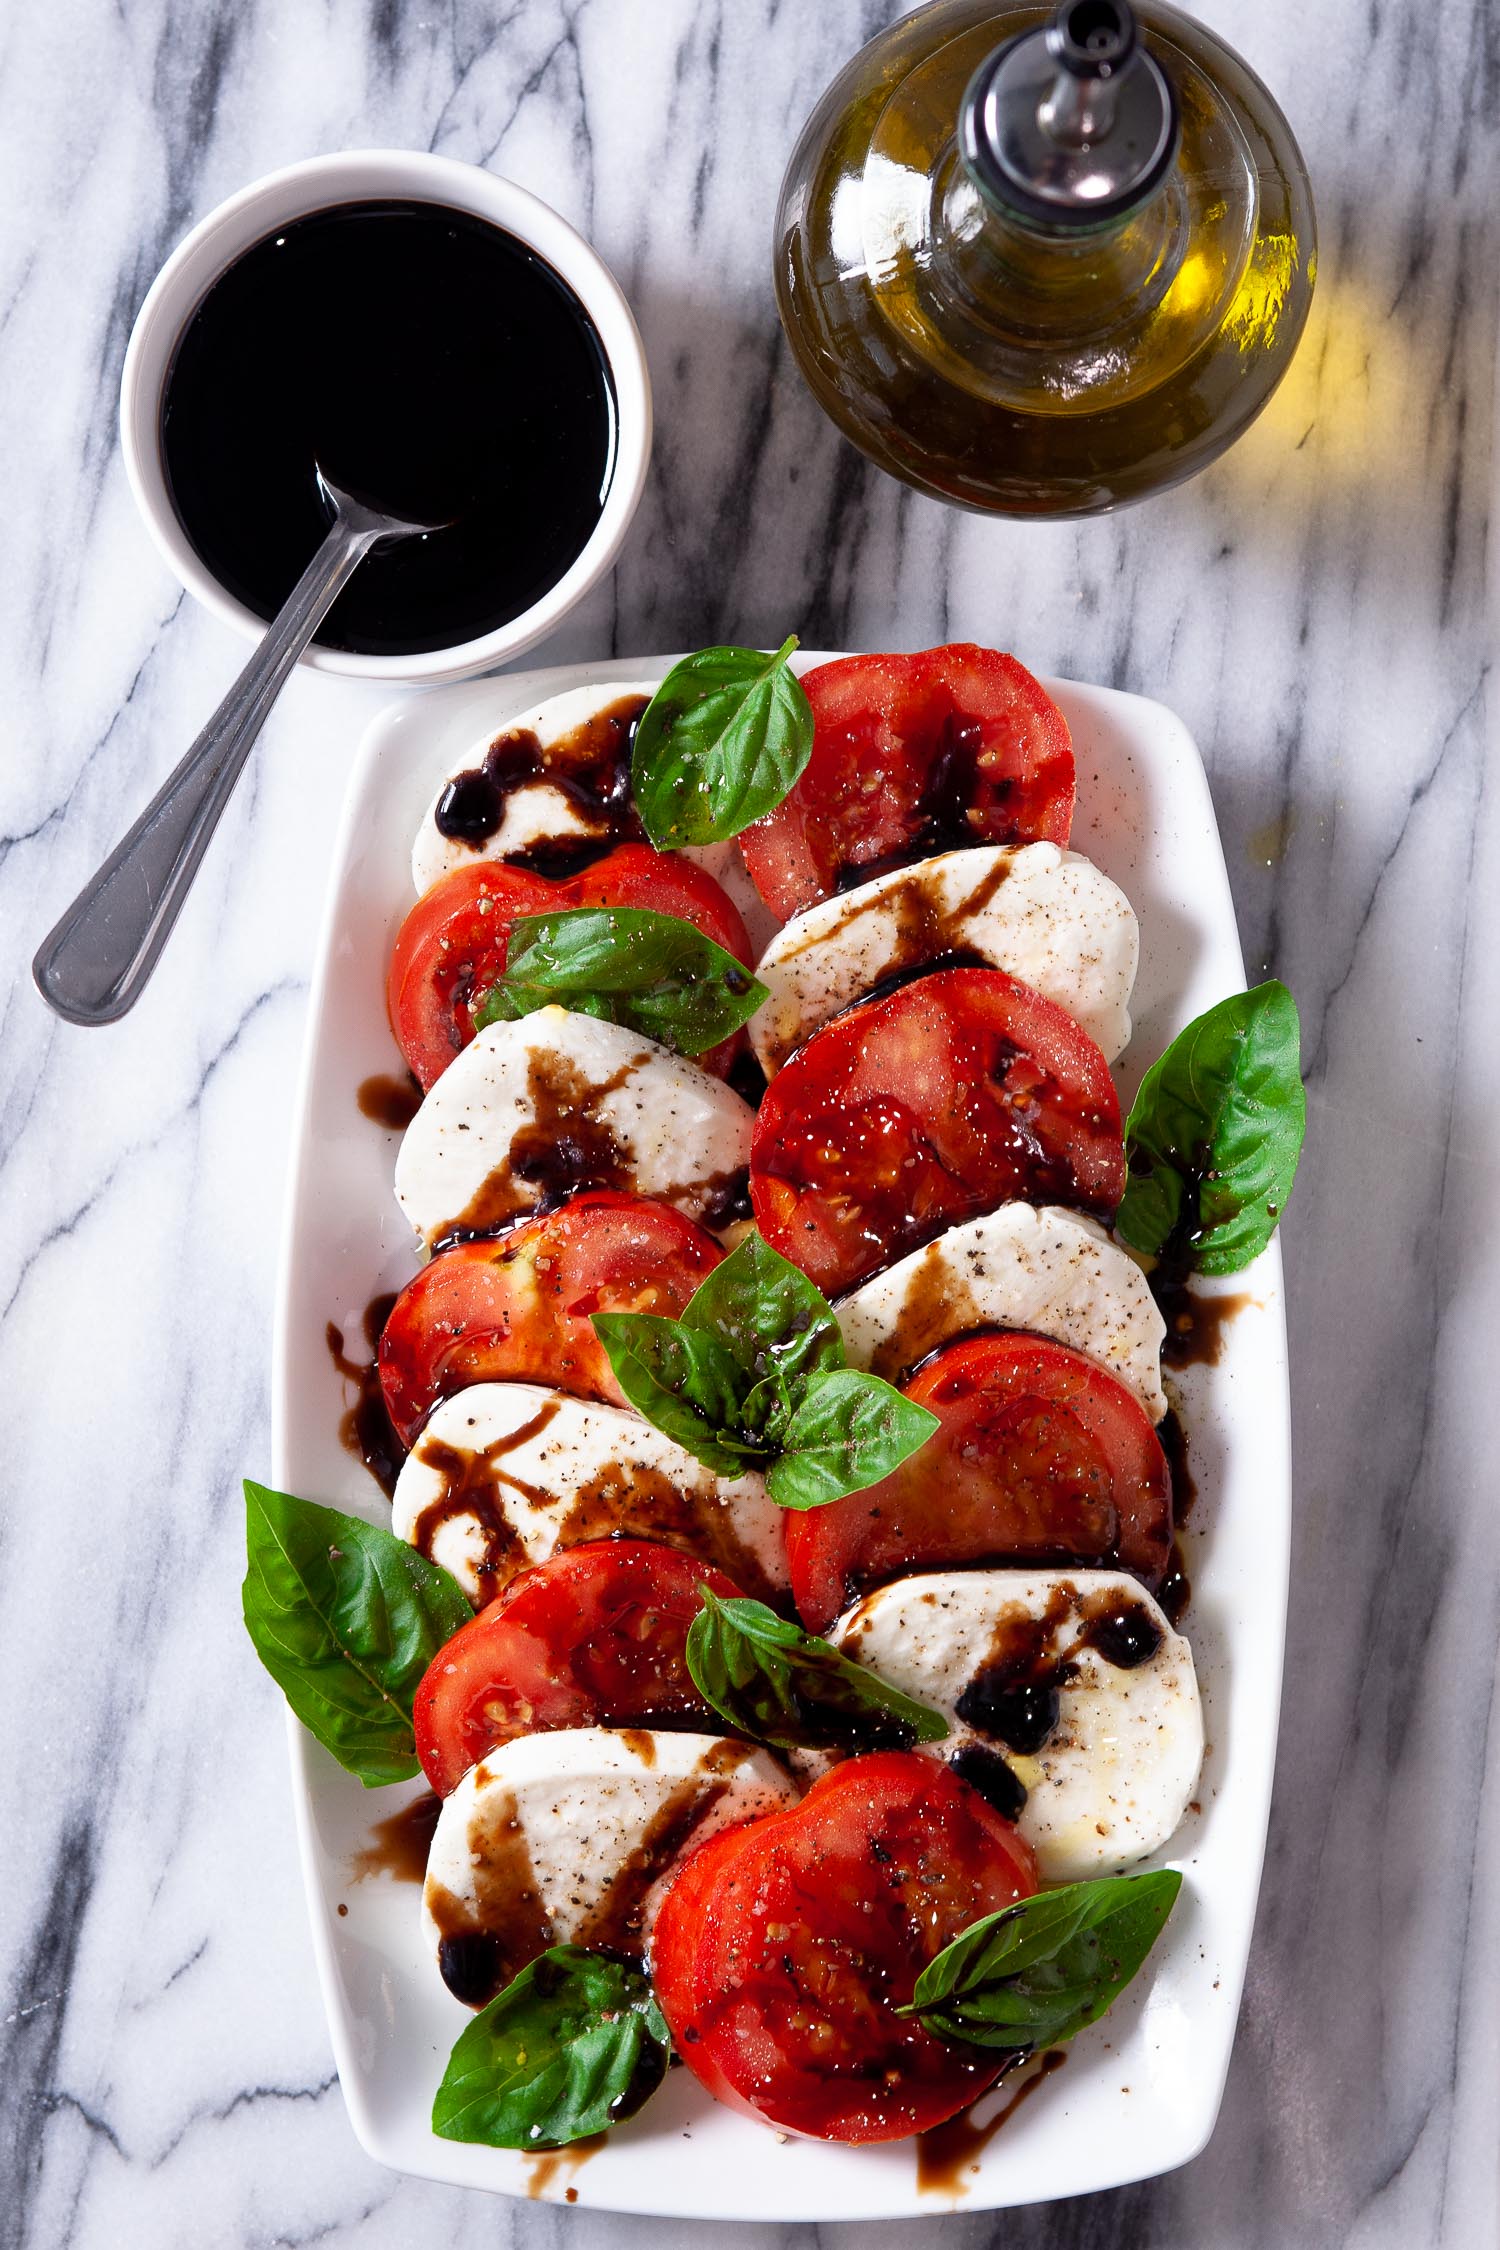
[93, 967]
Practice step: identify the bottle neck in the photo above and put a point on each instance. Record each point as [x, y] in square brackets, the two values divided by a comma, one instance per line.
[1022, 279]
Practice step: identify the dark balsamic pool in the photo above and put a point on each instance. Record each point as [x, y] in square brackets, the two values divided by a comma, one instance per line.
[434, 367]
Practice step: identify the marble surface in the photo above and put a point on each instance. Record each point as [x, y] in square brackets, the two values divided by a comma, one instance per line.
[1316, 608]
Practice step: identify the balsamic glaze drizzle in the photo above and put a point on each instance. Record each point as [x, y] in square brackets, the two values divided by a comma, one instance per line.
[589, 768]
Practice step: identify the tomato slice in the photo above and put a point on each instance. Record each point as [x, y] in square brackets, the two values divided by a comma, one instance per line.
[785, 1946]
[911, 755]
[451, 947]
[958, 1093]
[1041, 1457]
[517, 1309]
[590, 1638]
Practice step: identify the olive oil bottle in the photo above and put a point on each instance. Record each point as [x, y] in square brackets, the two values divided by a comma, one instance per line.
[1040, 262]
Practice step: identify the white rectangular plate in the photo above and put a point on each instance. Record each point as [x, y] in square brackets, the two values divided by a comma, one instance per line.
[1140, 2092]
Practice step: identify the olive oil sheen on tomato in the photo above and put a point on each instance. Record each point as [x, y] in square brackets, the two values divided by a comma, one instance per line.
[431, 365]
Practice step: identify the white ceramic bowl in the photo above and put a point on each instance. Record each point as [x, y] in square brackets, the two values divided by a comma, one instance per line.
[356, 175]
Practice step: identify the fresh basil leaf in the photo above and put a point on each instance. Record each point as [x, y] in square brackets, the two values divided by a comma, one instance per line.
[777, 1325]
[574, 2044]
[723, 739]
[1035, 1974]
[654, 972]
[684, 1381]
[848, 1432]
[346, 1619]
[779, 1684]
[753, 1373]
[1213, 1137]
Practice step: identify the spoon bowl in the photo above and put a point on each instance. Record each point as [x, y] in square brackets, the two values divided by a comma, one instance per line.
[363, 516]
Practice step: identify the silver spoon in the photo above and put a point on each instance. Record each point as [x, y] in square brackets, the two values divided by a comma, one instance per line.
[93, 967]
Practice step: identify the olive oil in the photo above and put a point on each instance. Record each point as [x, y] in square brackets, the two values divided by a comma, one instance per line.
[1029, 356]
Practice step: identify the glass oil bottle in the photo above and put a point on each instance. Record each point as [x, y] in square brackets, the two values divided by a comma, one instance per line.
[1039, 262]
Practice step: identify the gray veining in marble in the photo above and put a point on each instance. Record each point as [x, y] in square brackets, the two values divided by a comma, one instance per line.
[1316, 607]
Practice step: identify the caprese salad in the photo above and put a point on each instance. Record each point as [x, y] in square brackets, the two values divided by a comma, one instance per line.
[780, 1593]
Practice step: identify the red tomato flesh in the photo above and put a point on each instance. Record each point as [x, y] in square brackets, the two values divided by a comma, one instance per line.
[785, 1946]
[960, 1092]
[452, 945]
[590, 1638]
[518, 1309]
[911, 755]
[1042, 1457]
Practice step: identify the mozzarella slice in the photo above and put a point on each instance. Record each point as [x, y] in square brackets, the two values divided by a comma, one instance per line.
[506, 1474]
[725, 864]
[1047, 916]
[1047, 1270]
[568, 1838]
[532, 1111]
[1079, 1668]
[532, 811]
[541, 809]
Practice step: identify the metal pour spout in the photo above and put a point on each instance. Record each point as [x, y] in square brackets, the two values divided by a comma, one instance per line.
[1071, 124]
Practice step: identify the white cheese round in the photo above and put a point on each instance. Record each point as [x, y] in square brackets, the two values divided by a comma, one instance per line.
[1111, 1781]
[1047, 1270]
[539, 811]
[534, 811]
[557, 1102]
[570, 1838]
[1042, 914]
[506, 1474]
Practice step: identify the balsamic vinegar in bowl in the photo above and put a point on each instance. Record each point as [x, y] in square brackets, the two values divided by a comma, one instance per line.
[427, 362]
